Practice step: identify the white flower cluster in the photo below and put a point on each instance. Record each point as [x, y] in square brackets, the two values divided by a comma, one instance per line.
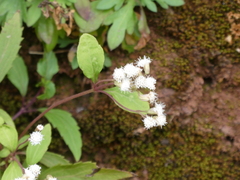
[36, 137]
[136, 77]
[131, 77]
[32, 173]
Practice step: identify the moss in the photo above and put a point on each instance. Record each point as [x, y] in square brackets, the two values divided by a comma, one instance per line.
[173, 152]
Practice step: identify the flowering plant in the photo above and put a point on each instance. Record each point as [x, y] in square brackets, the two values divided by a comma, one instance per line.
[133, 92]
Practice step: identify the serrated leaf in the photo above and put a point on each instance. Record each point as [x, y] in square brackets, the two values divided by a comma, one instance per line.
[174, 2]
[124, 17]
[68, 129]
[48, 65]
[10, 39]
[76, 171]
[18, 75]
[7, 119]
[110, 174]
[128, 100]
[52, 159]
[94, 21]
[49, 90]
[10, 7]
[90, 56]
[8, 137]
[13, 171]
[34, 153]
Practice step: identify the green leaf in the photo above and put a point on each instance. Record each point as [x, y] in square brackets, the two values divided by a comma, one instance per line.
[107, 61]
[8, 120]
[174, 2]
[34, 153]
[94, 20]
[51, 159]
[9, 137]
[1, 121]
[128, 100]
[106, 4]
[10, 39]
[13, 171]
[33, 13]
[49, 90]
[119, 4]
[162, 3]
[4, 153]
[68, 129]
[10, 7]
[151, 5]
[110, 174]
[48, 66]
[83, 8]
[23, 139]
[18, 75]
[46, 29]
[90, 56]
[124, 18]
[74, 63]
[76, 171]
[142, 23]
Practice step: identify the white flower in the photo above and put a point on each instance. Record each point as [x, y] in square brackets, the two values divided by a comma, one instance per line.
[151, 97]
[28, 175]
[131, 70]
[35, 169]
[36, 138]
[144, 63]
[118, 74]
[49, 177]
[19, 179]
[39, 127]
[140, 82]
[161, 120]
[149, 122]
[150, 83]
[159, 108]
[125, 85]
[53, 178]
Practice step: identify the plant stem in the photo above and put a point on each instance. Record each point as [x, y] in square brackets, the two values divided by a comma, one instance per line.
[55, 104]
[25, 108]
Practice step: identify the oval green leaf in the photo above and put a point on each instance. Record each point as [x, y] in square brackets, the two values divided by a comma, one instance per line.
[7, 119]
[18, 75]
[51, 159]
[76, 171]
[129, 100]
[174, 2]
[48, 66]
[90, 56]
[8, 137]
[13, 171]
[34, 153]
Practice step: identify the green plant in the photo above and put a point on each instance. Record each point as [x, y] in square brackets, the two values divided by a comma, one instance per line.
[136, 95]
